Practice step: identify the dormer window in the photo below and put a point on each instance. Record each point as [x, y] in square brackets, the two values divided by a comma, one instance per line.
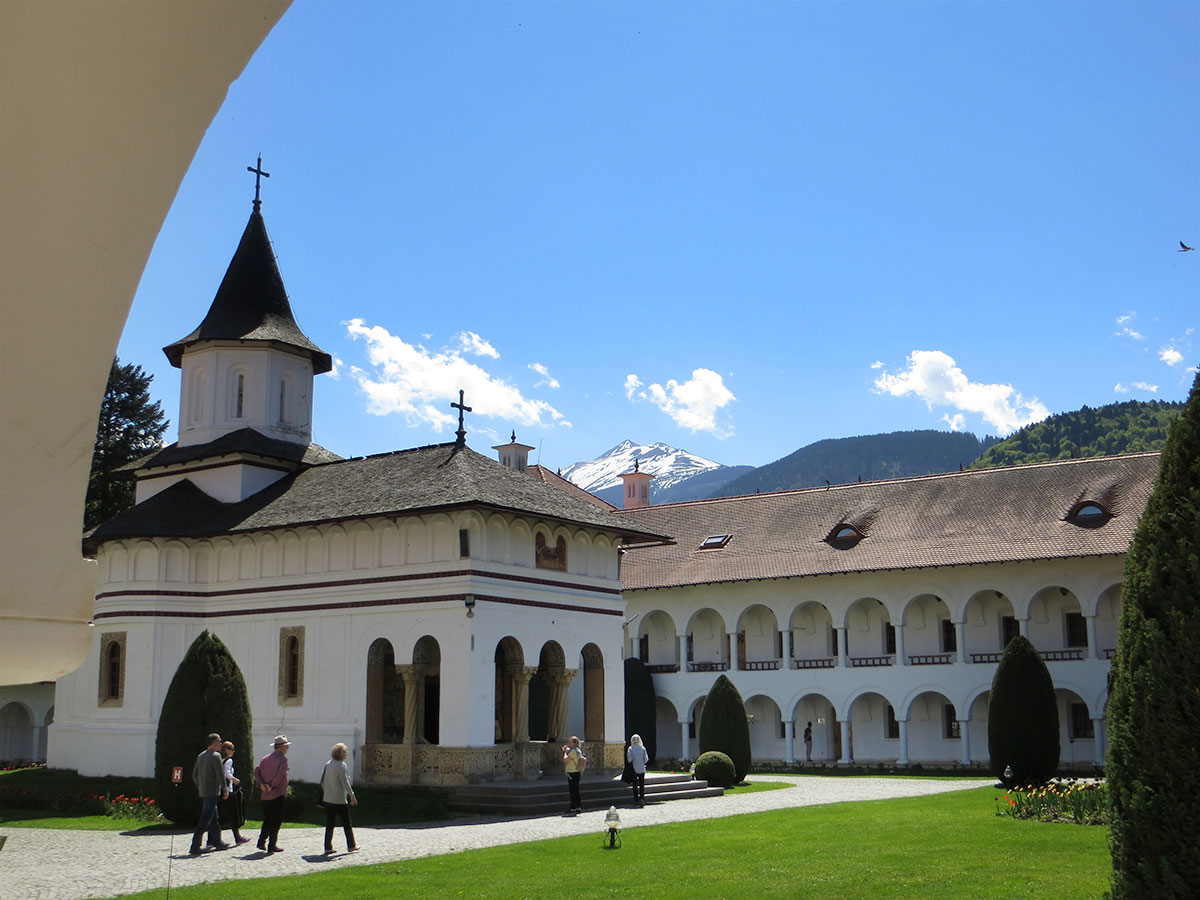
[715, 541]
[1089, 514]
[844, 536]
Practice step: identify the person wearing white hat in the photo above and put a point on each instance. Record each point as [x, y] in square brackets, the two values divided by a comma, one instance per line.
[271, 776]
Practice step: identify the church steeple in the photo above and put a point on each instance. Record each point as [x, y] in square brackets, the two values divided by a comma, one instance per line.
[248, 364]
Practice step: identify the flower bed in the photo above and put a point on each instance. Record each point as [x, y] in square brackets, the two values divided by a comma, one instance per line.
[1075, 801]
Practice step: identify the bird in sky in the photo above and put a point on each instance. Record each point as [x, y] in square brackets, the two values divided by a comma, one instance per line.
[1184, 248]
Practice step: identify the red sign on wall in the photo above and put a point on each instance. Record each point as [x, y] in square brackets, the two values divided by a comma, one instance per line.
[177, 775]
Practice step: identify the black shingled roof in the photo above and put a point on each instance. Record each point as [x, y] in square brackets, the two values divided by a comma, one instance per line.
[976, 517]
[244, 440]
[252, 304]
[405, 482]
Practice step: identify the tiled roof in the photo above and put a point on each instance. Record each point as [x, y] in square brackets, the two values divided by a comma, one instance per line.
[963, 518]
[545, 476]
[404, 482]
[243, 441]
[252, 304]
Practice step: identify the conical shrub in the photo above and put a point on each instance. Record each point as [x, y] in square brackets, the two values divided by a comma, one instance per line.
[207, 694]
[723, 725]
[1154, 708]
[1022, 717]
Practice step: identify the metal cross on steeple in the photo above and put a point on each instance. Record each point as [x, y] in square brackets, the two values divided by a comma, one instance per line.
[259, 174]
[462, 432]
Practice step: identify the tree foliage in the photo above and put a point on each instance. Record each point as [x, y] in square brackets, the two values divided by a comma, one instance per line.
[869, 458]
[1022, 717]
[130, 426]
[207, 694]
[723, 725]
[640, 713]
[1128, 427]
[1154, 707]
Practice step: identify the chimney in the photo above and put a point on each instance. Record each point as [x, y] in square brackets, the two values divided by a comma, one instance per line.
[637, 487]
[513, 455]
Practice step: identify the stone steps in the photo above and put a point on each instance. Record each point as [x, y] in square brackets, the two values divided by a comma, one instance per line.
[549, 795]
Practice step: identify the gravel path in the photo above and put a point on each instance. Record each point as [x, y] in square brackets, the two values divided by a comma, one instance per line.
[48, 864]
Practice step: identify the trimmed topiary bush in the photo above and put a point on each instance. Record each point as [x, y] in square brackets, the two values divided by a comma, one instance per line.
[1022, 717]
[640, 714]
[207, 694]
[1154, 707]
[723, 725]
[716, 768]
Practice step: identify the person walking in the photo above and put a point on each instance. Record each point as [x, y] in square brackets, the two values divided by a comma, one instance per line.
[339, 797]
[638, 756]
[209, 778]
[271, 776]
[574, 762]
[808, 742]
[233, 807]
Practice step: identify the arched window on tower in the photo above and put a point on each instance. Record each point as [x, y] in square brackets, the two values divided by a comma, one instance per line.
[291, 666]
[239, 403]
[283, 417]
[112, 669]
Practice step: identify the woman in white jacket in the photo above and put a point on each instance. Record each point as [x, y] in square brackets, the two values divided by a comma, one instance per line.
[638, 757]
[339, 797]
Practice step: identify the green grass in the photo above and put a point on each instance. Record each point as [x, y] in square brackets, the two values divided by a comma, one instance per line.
[948, 846]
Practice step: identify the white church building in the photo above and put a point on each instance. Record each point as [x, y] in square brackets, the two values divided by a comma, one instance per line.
[451, 618]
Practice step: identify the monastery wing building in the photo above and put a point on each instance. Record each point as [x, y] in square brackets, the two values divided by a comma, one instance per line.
[450, 617]
[877, 612]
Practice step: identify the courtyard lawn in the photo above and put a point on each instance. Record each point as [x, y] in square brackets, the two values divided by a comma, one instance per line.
[943, 846]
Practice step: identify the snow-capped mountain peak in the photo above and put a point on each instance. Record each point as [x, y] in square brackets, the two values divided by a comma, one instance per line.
[669, 466]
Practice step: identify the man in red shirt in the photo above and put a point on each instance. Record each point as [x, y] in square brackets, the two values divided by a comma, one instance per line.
[271, 776]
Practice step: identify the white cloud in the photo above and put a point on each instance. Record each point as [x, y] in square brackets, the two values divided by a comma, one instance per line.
[420, 384]
[1145, 386]
[1170, 356]
[1121, 320]
[878, 364]
[470, 342]
[547, 378]
[336, 372]
[1119, 388]
[934, 377]
[957, 422]
[1130, 333]
[693, 404]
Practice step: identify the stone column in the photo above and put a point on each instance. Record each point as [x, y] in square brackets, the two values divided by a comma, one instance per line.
[413, 677]
[1023, 627]
[846, 757]
[731, 649]
[903, 760]
[681, 641]
[964, 730]
[840, 631]
[901, 656]
[1093, 642]
[789, 736]
[521, 676]
[560, 681]
[684, 741]
[960, 638]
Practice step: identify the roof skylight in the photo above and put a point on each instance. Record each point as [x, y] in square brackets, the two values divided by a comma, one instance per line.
[714, 542]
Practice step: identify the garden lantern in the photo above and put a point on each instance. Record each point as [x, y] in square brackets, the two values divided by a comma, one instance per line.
[612, 829]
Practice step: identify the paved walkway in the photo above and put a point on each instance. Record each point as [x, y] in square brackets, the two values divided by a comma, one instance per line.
[47, 864]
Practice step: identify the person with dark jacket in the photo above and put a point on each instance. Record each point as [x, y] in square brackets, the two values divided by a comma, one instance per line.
[208, 774]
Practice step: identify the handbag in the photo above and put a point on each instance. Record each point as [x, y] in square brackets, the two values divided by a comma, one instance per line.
[321, 787]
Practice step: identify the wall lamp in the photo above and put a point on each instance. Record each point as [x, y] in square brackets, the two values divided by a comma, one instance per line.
[469, 601]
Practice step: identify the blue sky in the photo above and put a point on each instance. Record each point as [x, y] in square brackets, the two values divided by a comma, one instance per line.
[735, 228]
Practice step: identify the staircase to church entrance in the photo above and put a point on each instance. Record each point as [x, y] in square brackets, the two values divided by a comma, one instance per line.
[548, 795]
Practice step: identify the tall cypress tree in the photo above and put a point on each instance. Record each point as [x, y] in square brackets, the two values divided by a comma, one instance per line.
[1154, 708]
[723, 725]
[640, 714]
[207, 694]
[1022, 717]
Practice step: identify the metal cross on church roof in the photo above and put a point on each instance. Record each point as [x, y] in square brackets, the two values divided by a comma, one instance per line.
[462, 432]
[259, 175]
